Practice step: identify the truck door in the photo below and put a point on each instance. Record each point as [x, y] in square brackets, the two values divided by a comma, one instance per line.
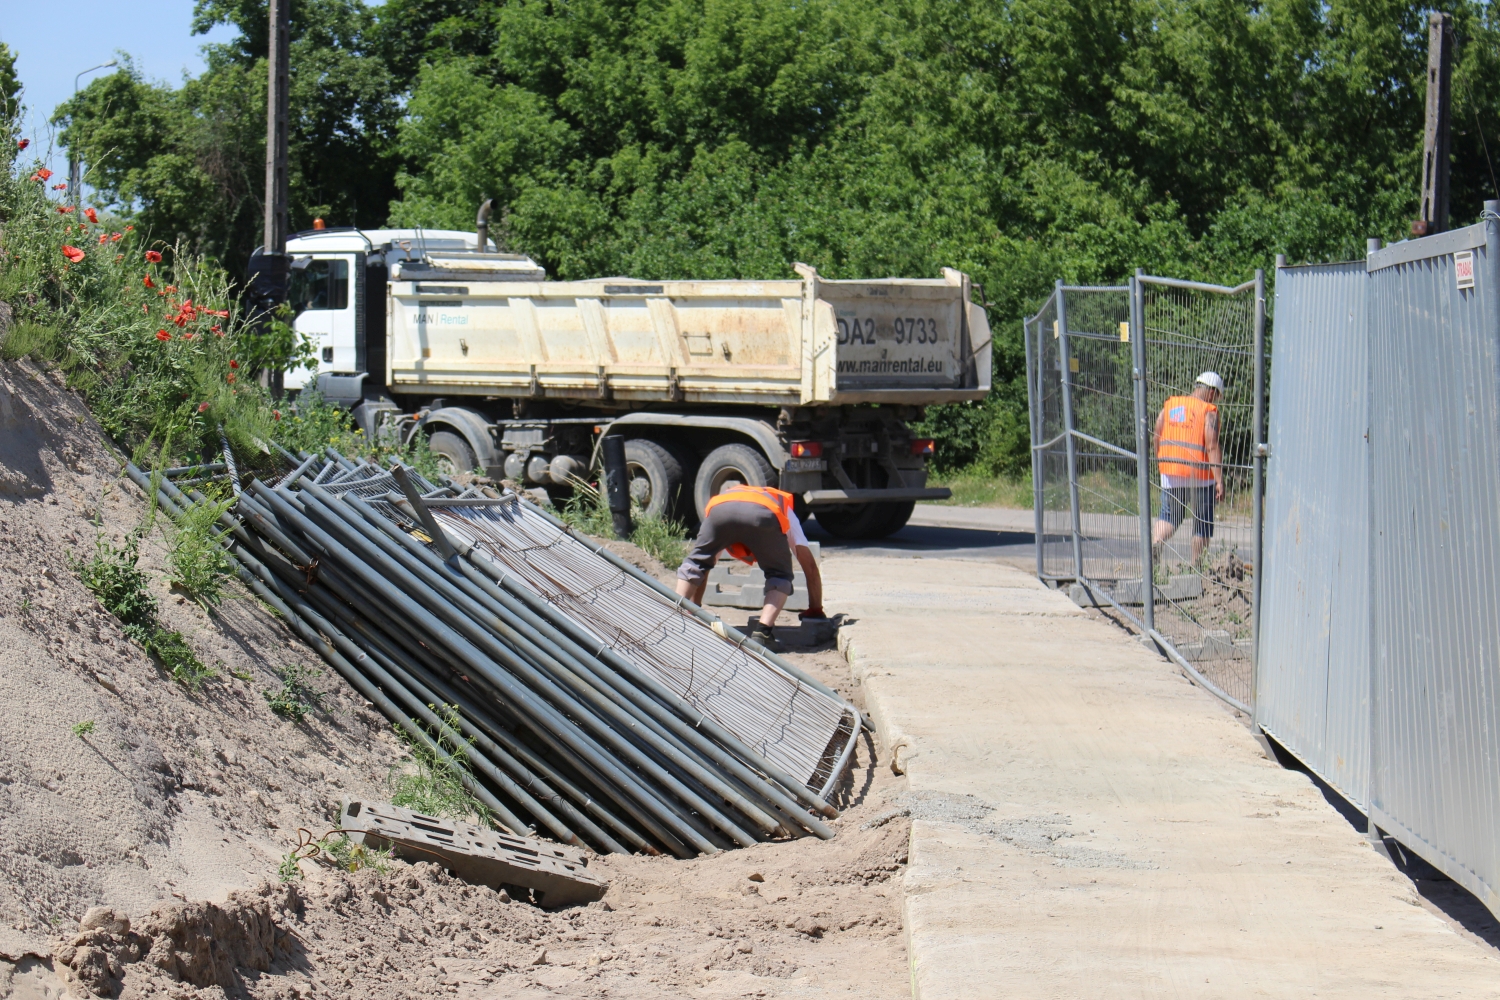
[319, 294]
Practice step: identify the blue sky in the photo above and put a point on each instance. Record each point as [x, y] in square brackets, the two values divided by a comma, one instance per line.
[54, 41]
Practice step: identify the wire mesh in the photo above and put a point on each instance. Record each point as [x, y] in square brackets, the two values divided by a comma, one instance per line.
[1203, 570]
[1050, 469]
[1087, 471]
[1103, 396]
[798, 728]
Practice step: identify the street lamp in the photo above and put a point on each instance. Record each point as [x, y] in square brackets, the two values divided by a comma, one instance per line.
[74, 167]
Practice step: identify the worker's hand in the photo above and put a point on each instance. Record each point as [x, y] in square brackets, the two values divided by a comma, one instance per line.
[811, 613]
[1219, 490]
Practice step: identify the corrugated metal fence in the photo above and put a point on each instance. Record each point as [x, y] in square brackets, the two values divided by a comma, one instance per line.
[1380, 640]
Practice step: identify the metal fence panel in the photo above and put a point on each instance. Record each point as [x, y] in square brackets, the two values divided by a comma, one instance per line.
[1313, 676]
[1435, 551]
[1050, 463]
[1204, 609]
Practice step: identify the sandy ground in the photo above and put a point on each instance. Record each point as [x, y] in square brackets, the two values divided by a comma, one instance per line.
[169, 819]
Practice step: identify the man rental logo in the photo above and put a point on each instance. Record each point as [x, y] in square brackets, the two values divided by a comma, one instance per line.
[1463, 268]
[1178, 415]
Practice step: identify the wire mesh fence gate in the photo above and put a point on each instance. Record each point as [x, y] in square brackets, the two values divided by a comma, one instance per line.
[1101, 364]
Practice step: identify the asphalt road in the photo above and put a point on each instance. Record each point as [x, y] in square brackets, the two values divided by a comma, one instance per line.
[972, 533]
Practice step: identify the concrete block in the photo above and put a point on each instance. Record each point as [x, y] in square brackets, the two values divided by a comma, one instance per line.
[1185, 587]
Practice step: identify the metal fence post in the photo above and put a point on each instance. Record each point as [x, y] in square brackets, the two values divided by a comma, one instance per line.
[1257, 486]
[1034, 400]
[1143, 435]
[1066, 357]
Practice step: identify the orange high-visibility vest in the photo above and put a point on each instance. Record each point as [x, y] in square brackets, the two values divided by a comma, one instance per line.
[778, 502]
[1184, 436]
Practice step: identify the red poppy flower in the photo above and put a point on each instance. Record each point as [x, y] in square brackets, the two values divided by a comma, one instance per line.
[275, 414]
[163, 335]
[129, 228]
[91, 215]
[216, 332]
[41, 175]
[153, 256]
[149, 282]
[234, 364]
[114, 237]
[180, 319]
[202, 407]
[188, 335]
[22, 143]
[72, 253]
[171, 288]
[229, 378]
[145, 308]
[103, 239]
[60, 187]
[64, 209]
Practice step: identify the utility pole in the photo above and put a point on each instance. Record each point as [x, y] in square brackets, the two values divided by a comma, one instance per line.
[269, 267]
[1433, 215]
[75, 166]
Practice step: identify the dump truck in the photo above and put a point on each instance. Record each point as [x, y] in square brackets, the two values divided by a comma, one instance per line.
[806, 384]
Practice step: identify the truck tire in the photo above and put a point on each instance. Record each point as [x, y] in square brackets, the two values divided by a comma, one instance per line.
[866, 521]
[656, 480]
[726, 464]
[452, 452]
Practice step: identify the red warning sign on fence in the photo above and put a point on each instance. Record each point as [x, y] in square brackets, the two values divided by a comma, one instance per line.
[1463, 268]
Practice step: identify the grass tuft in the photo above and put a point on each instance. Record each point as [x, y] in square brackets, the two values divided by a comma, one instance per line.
[588, 511]
[197, 558]
[112, 575]
[438, 783]
[295, 699]
[82, 729]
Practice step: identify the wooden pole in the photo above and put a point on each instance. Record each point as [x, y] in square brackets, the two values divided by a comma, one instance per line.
[1433, 216]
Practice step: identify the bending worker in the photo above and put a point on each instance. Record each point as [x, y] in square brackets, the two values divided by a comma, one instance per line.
[755, 524]
[1191, 460]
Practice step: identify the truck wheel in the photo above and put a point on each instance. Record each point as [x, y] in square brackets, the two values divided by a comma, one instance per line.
[452, 452]
[656, 480]
[727, 465]
[866, 521]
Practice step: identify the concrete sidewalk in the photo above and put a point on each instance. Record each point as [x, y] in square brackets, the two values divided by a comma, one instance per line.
[1089, 824]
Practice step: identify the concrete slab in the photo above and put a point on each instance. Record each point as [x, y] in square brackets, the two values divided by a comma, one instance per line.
[1089, 824]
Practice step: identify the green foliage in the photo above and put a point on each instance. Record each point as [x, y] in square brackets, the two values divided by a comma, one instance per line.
[438, 783]
[84, 728]
[345, 854]
[1017, 141]
[587, 511]
[112, 575]
[289, 870]
[296, 698]
[197, 558]
[314, 424]
[10, 84]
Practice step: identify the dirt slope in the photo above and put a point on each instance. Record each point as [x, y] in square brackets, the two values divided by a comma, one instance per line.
[171, 817]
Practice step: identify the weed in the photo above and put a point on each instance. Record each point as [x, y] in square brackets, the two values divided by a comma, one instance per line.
[351, 857]
[295, 699]
[197, 559]
[587, 511]
[241, 675]
[316, 424]
[976, 488]
[440, 784]
[82, 729]
[663, 538]
[25, 606]
[113, 576]
[289, 870]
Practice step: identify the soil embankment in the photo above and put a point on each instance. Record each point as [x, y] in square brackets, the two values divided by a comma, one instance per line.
[158, 815]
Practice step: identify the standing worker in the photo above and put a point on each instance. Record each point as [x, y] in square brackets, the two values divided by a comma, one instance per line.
[1191, 460]
[755, 524]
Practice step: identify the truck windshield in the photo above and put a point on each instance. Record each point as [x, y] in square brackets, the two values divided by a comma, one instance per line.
[322, 284]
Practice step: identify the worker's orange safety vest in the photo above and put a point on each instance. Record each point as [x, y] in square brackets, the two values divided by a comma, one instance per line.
[778, 502]
[1184, 437]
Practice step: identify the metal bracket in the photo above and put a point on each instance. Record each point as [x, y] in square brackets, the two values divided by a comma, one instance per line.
[1262, 450]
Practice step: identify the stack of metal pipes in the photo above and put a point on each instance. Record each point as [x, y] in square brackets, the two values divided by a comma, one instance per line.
[560, 733]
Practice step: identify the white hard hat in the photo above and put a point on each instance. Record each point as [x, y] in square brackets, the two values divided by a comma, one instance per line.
[1212, 380]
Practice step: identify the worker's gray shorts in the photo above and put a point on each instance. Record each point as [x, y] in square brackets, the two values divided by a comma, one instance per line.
[754, 527]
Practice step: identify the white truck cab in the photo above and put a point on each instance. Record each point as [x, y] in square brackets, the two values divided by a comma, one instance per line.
[327, 289]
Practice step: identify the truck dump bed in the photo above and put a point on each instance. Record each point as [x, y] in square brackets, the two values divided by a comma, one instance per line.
[461, 325]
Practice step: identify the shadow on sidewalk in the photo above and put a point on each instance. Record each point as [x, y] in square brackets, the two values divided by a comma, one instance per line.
[1444, 895]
